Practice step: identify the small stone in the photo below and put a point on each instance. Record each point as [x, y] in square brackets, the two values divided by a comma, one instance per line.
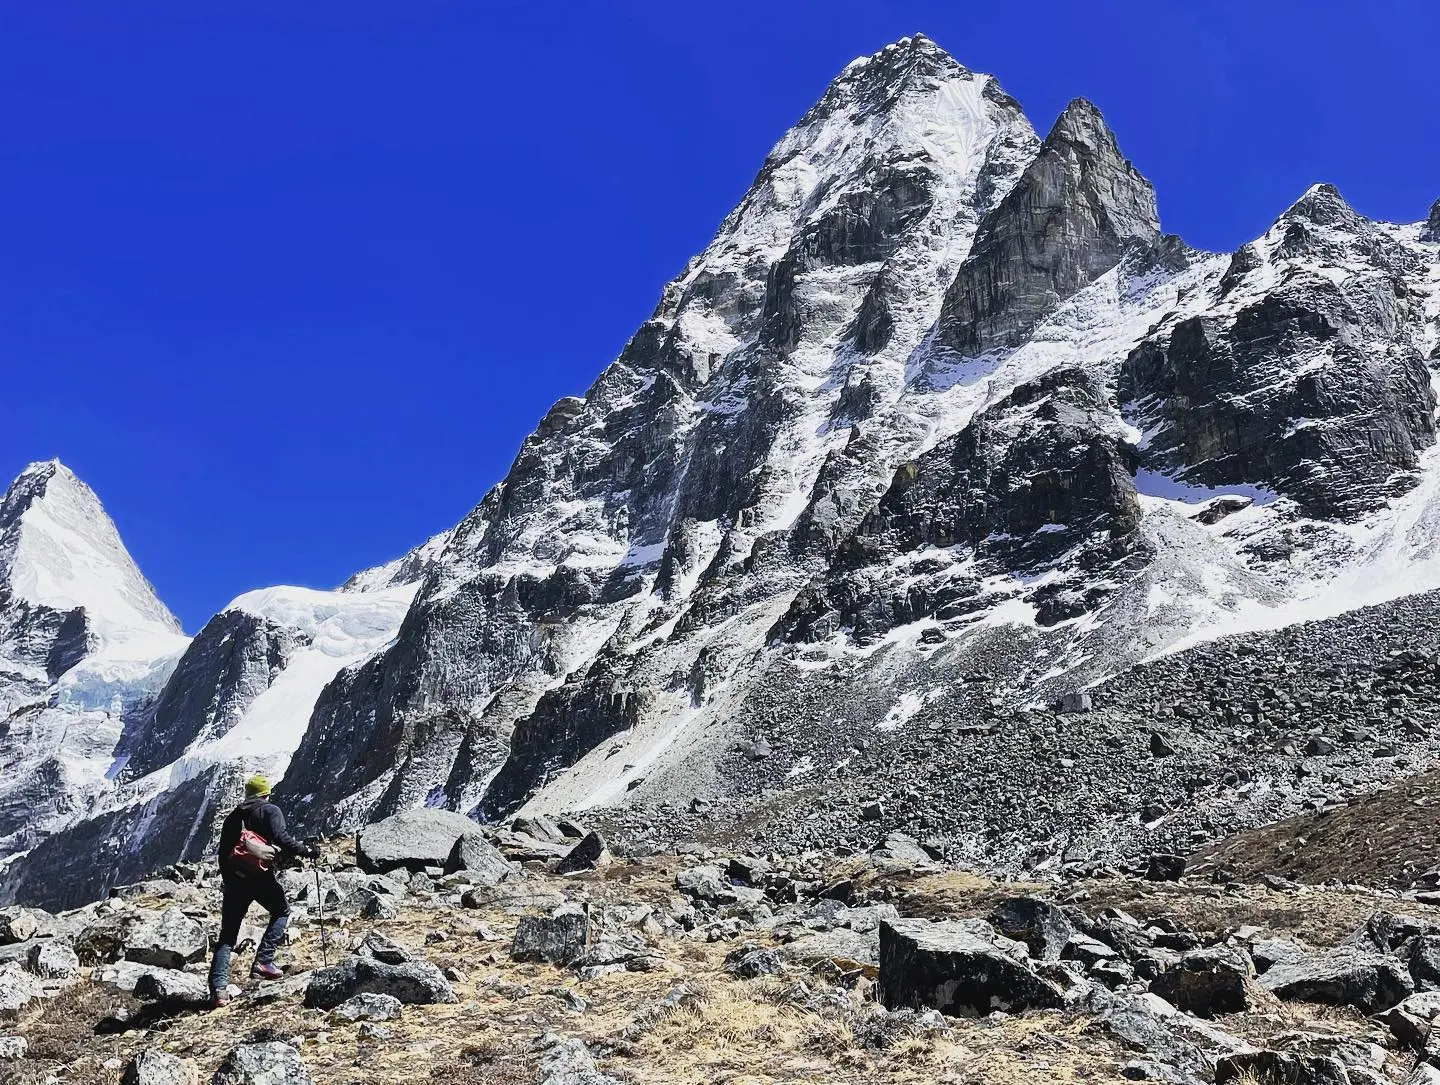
[376, 945]
[368, 1006]
[152, 1067]
[17, 925]
[13, 1047]
[752, 961]
[1163, 867]
[558, 939]
[270, 1063]
[52, 961]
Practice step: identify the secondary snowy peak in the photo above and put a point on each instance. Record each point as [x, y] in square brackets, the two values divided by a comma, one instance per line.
[1304, 373]
[1077, 208]
[59, 550]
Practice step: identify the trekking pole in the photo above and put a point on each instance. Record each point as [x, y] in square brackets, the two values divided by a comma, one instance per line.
[320, 907]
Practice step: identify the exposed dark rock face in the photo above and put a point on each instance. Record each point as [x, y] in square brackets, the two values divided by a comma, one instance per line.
[123, 845]
[1039, 477]
[1311, 383]
[232, 661]
[1076, 210]
[41, 636]
[566, 724]
[1432, 224]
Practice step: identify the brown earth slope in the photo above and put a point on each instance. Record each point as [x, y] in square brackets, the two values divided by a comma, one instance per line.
[1387, 838]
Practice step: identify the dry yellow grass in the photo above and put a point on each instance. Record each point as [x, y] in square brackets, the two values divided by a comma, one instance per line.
[728, 1031]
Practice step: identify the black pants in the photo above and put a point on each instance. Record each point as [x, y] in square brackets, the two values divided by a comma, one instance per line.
[239, 891]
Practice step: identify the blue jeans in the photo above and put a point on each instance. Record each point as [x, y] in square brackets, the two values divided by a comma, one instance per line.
[239, 891]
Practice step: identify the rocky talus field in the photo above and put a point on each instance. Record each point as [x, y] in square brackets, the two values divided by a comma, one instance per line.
[533, 955]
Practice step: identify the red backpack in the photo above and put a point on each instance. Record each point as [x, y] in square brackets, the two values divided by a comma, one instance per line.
[253, 853]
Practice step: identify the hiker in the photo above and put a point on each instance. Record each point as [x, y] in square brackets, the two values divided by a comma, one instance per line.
[252, 839]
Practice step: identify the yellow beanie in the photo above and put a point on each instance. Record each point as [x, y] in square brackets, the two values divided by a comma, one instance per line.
[256, 785]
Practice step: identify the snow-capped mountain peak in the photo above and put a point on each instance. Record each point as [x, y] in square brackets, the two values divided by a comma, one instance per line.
[938, 426]
[59, 549]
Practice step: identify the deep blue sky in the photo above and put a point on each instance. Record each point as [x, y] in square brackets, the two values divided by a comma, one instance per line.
[288, 282]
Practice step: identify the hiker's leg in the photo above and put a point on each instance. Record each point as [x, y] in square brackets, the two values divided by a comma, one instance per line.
[272, 898]
[234, 902]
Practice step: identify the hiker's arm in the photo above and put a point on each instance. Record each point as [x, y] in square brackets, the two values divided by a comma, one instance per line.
[280, 836]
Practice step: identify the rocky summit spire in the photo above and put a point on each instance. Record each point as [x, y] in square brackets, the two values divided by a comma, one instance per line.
[1432, 224]
[1074, 212]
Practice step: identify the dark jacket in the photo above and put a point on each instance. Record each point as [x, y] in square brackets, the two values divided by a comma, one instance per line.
[261, 816]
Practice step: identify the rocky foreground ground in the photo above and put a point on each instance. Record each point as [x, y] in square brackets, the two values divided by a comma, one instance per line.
[534, 956]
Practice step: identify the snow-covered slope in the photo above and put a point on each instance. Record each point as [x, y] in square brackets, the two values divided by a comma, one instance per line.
[108, 713]
[939, 427]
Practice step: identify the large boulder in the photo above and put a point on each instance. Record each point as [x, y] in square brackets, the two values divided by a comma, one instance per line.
[1281, 1066]
[103, 938]
[1344, 977]
[962, 968]
[480, 859]
[168, 939]
[1425, 962]
[18, 988]
[17, 925]
[123, 976]
[512, 897]
[590, 854]
[152, 1067]
[900, 848]
[52, 961]
[569, 1062]
[415, 982]
[1385, 932]
[708, 883]
[844, 948]
[1174, 1045]
[751, 961]
[1207, 981]
[271, 1063]
[412, 840]
[172, 988]
[1043, 927]
[559, 938]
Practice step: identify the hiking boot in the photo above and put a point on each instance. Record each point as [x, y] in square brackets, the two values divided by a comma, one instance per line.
[266, 972]
[219, 999]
